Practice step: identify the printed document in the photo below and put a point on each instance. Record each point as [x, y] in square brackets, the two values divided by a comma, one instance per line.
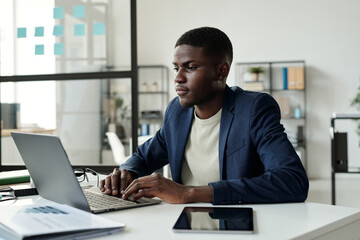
[52, 221]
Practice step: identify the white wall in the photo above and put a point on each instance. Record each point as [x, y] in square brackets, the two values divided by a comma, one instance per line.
[324, 33]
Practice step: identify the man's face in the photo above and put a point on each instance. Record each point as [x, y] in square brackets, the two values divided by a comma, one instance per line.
[196, 77]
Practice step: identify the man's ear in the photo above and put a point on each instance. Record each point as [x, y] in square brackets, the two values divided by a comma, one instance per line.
[223, 70]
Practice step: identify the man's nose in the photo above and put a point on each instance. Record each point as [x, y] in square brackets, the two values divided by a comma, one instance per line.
[179, 76]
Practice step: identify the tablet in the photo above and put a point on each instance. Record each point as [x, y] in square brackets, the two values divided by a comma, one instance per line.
[215, 219]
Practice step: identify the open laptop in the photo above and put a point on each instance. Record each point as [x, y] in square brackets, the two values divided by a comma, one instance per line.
[53, 176]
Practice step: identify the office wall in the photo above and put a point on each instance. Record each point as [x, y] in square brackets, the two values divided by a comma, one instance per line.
[324, 33]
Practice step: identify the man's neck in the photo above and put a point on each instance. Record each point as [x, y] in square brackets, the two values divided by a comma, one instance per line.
[209, 109]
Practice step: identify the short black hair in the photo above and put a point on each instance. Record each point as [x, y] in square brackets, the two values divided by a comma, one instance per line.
[214, 41]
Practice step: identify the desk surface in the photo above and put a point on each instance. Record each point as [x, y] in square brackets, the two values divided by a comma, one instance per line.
[271, 221]
[7, 132]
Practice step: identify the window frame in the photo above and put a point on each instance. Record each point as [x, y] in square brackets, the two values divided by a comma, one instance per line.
[132, 74]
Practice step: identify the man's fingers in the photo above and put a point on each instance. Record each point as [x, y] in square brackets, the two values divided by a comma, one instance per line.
[136, 186]
[147, 192]
[124, 179]
[126, 188]
[120, 181]
[102, 183]
[107, 185]
[114, 186]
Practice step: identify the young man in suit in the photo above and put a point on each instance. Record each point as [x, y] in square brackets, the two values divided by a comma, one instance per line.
[224, 145]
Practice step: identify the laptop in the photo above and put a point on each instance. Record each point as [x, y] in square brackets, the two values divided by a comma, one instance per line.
[51, 171]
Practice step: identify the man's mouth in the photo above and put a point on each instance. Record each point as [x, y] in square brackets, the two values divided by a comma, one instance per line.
[181, 91]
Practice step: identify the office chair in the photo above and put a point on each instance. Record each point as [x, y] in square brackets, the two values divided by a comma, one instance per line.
[117, 148]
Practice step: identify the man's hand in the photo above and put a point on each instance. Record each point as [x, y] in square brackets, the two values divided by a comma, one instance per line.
[117, 181]
[158, 186]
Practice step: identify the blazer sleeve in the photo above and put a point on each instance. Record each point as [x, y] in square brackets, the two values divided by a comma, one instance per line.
[284, 178]
[151, 155]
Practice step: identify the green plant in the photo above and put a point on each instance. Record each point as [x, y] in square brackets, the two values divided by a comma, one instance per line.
[256, 70]
[356, 103]
[118, 102]
[119, 106]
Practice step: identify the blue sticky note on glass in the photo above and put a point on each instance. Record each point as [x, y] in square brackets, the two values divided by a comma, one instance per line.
[58, 30]
[39, 49]
[59, 13]
[79, 30]
[79, 11]
[21, 32]
[39, 31]
[99, 28]
[59, 49]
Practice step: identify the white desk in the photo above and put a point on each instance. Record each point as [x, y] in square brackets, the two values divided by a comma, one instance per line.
[271, 221]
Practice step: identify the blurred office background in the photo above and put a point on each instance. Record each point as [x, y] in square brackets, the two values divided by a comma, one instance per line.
[95, 37]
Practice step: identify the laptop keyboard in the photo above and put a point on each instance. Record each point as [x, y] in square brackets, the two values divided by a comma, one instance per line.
[98, 200]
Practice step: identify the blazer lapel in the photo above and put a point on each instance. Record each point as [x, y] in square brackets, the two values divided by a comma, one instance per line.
[225, 124]
[182, 134]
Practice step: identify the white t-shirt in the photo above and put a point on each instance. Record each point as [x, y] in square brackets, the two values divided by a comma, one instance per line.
[201, 163]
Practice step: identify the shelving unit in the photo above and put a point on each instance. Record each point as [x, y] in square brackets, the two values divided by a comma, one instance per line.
[116, 112]
[116, 106]
[339, 150]
[153, 97]
[292, 102]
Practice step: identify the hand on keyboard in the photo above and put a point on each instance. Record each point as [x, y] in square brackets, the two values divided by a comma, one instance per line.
[117, 181]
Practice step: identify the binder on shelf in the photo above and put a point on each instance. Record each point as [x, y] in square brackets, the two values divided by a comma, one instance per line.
[285, 78]
[295, 78]
[291, 78]
[341, 154]
[299, 78]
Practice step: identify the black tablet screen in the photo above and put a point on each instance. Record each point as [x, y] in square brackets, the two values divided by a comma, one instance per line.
[224, 219]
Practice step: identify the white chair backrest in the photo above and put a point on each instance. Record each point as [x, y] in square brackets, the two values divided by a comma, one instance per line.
[117, 148]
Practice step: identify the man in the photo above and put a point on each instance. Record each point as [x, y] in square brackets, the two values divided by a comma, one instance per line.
[224, 145]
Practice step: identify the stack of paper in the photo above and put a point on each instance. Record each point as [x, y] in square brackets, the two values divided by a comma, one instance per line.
[293, 138]
[52, 221]
[254, 85]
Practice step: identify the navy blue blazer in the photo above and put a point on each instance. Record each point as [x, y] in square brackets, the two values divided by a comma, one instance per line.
[257, 162]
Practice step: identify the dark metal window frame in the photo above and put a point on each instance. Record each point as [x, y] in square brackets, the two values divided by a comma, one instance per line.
[132, 74]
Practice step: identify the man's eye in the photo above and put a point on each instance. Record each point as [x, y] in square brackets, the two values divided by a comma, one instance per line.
[191, 68]
[176, 69]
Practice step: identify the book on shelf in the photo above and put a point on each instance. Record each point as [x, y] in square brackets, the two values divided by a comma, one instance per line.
[254, 85]
[52, 221]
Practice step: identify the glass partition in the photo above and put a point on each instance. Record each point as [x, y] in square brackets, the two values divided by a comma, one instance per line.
[63, 36]
[57, 76]
[79, 112]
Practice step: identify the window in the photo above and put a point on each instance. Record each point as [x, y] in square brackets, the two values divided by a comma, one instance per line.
[56, 60]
